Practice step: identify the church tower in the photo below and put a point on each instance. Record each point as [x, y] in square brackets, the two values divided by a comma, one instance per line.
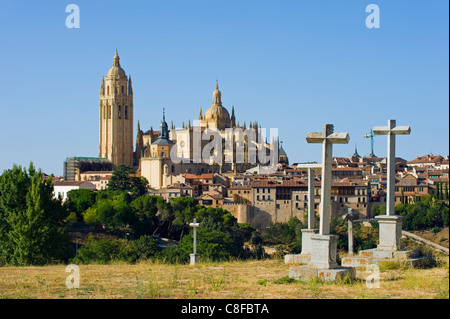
[116, 116]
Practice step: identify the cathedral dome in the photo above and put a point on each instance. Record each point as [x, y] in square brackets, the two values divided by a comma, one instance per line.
[217, 112]
[116, 70]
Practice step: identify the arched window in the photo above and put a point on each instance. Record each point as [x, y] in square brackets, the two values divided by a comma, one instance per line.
[109, 111]
[120, 112]
[123, 89]
[107, 90]
[126, 112]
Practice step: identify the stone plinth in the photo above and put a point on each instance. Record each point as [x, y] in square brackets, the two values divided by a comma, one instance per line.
[297, 259]
[306, 240]
[305, 256]
[323, 251]
[305, 273]
[390, 232]
[375, 256]
[194, 258]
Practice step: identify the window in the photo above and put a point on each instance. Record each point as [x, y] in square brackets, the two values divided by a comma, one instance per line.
[278, 206]
[264, 197]
[123, 90]
[120, 112]
[268, 197]
[126, 112]
[257, 197]
[107, 90]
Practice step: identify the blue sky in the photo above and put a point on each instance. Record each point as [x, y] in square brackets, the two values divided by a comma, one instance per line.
[291, 65]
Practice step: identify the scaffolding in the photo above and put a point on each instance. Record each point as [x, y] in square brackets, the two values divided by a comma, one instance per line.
[74, 166]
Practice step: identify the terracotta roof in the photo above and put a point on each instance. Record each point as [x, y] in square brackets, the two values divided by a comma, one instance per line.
[69, 183]
[202, 176]
[239, 187]
[427, 159]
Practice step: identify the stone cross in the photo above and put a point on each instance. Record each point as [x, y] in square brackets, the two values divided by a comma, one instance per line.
[194, 256]
[391, 130]
[327, 138]
[311, 192]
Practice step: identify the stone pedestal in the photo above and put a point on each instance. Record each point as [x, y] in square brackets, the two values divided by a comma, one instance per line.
[305, 256]
[306, 240]
[194, 258]
[324, 251]
[390, 232]
[304, 273]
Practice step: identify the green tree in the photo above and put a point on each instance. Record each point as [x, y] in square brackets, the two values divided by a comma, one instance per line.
[122, 180]
[446, 191]
[144, 209]
[112, 211]
[32, 229]
[79, 200]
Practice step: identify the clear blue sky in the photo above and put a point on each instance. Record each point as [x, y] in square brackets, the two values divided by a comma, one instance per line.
[291, 65]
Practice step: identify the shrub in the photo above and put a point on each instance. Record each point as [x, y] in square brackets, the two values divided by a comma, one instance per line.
[109, 250]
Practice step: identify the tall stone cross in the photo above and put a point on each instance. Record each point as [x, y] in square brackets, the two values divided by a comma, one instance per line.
[194, 256]
[311, 191]
[391, 130]
[327, 138]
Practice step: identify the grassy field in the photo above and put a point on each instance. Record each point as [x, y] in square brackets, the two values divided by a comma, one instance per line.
[238, 280]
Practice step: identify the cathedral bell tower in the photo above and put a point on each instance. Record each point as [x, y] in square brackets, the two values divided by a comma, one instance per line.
[116, 116]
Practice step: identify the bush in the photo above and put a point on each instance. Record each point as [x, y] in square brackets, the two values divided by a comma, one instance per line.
[109, 250]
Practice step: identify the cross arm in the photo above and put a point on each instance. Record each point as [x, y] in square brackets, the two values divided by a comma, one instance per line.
[312, 166]
[398, 130]
[339, 138]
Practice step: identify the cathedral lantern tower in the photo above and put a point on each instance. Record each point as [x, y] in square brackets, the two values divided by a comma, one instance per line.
[116, 116]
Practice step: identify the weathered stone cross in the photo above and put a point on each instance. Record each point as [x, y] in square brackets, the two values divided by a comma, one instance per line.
[391, 130]
[327, 138]
[194, 256]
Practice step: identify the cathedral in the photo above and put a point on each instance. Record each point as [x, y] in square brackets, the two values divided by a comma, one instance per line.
[163, 156]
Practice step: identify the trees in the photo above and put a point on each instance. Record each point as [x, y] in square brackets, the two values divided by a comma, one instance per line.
[80, 200]
[31, 221]
[122, 180]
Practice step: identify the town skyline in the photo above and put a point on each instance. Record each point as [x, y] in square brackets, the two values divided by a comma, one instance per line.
[289, 66]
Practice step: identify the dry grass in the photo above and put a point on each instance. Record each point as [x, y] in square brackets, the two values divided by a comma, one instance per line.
[238, 280]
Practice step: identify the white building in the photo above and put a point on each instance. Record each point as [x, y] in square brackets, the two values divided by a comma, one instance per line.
[60, 189]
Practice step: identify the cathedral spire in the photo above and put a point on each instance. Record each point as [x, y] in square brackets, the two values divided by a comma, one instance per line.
[200, 117]
[116, 59]
[130, 88]
[217, 96]
[102, 90]
[233, 118]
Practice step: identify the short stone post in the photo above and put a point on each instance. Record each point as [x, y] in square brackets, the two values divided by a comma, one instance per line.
[194, 256]
[390, 230]
[324, 245]
[311, 230]
[350, 217]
